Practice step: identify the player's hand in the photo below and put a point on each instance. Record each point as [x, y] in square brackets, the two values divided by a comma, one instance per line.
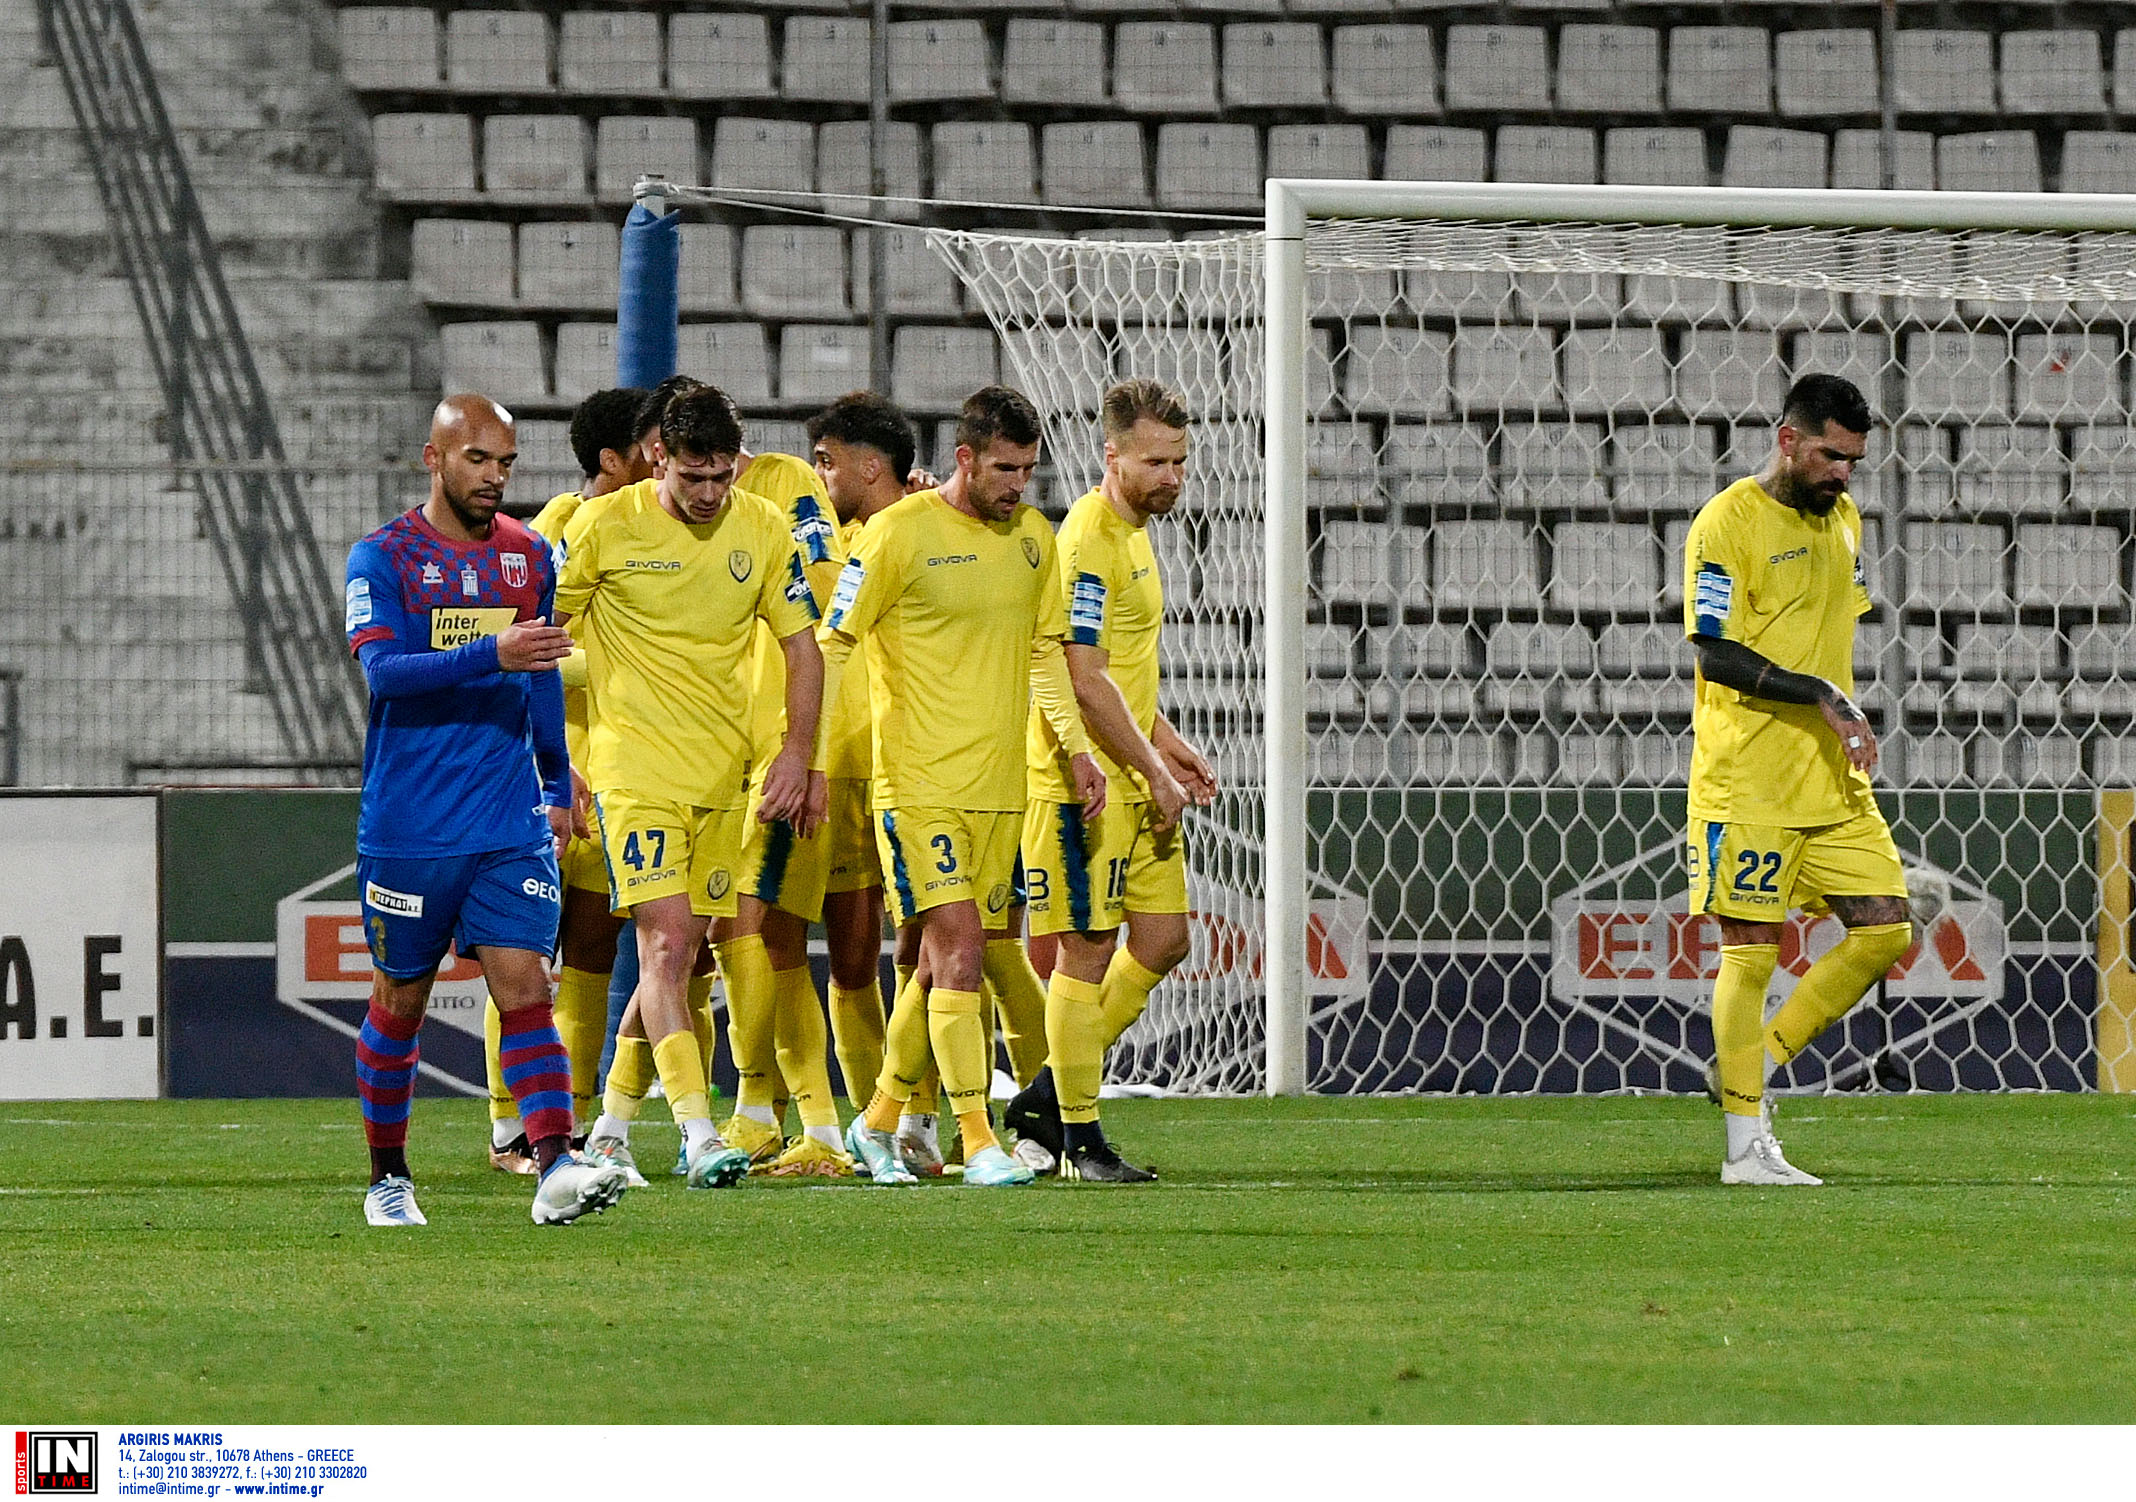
[1170, 800]
[920, 479]
[1848, 722]
[1192, 770]
[1089, 783]
[785, 794]
[818, 812]
[563, 823]
[581, 806]
[532, 647]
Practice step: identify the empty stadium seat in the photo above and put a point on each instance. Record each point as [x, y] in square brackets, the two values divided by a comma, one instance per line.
[1396, 370]
[501, 360]
[2098, 161]
[608, 52]
[1458, 759]
[2009, 467]
[705, 281]
[1943, 72]
[1660, 466]
[1991, 161]
[1385, 70]
[1644, 649]
[1760, 156]
[1956, 568]
[1208, 166]
[423, 156]
[1483, 565]
[1720, 70]
[1275, 64]
[1186, 359]
[1678, 299]
[1057, 64]
[2052, 73]
[945, 59]
[1823, 73]
[568, 265]
[2069, 568]
[985, 161]
[1957, 374]
[1497, 68]
[1609, 70]
[1164, 67]
[466, 261]
[916, 282]
[1440, 464]
[1340, 151]
[389, 47]
[732, 356]
[820, 362]
[1095, 162]
[825, 58]
[2102, 468]
[534, 158]
[1551, 465]
[1545, 154]
[1858, 161]
[2125, 71]
[719, 56]
[1511, 367]
[1858, 354]
[1356, 564]
[585, 359]
[842, 165]
[935, 369]
[794, 271]
[2065, 376]
[764, 154]
[1425, 649]
[1606, 370]
[628, 147]
[1767, 265]
[1670, 155]
[1538, 649]
[1725, 373]
[1435, 153]
[497, 52]
[2018, 655]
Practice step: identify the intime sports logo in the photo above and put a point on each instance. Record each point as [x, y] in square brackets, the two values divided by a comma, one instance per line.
[48, 1462]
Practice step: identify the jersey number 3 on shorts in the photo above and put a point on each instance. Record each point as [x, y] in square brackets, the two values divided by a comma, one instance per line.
[948, 849]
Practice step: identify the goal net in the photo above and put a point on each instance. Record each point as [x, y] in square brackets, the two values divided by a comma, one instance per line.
[1508, 427]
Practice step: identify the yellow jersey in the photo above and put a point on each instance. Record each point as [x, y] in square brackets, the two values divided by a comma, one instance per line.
[850, 750]
[550, 522]
[1115, 602]
[1789, 587]
[791, 485]
[668, 612]
[949, 606]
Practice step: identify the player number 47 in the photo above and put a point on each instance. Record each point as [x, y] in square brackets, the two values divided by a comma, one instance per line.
[634, 857]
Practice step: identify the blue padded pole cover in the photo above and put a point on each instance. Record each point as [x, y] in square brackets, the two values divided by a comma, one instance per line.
[649, 298]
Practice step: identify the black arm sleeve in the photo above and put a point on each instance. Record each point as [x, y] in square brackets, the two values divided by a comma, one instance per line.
[1733, 665]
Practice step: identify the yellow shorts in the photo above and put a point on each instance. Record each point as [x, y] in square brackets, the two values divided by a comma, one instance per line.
[584, 866]
[855, 865]
[1756, 874]
[793, 875]
[659, 849]
[936, 856]
[1085, 878]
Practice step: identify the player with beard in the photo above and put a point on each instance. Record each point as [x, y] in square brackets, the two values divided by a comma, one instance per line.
[1781, 811]
[1087, 877]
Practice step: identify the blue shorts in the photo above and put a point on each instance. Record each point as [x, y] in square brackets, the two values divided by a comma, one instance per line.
[413, 909]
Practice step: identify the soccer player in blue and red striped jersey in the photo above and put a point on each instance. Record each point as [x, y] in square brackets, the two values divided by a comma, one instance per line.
[466, 790]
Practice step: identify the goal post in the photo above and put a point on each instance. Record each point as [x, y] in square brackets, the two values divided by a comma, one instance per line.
[1421, 604]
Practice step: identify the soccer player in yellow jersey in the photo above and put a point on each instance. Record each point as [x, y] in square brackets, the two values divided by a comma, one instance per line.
[1088, 877]
[671, 576]
[954, 591]
[1781, 811]
[604, 440]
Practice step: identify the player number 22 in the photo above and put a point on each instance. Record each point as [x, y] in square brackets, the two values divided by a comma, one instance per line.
[634, 858]
[1749, 862]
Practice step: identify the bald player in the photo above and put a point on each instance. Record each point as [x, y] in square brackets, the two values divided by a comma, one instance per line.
[448, 610]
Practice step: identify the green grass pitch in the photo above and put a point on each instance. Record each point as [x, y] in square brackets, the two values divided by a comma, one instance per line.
[1321, 1260]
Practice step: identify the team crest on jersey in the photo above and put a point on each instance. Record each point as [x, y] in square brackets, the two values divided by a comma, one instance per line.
[515, 569]
[432, 577]
[998, 899]
[716, 885]
[739, 563]
[1031, 551]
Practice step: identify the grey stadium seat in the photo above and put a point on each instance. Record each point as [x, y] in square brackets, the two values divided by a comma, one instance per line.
[423, 156]
[627, 147]
[1609, 70]
[732, 356]
[1385, 70]
[608, 52]
[1059, 64]
[462, 261]
[935, 60]
[1720, 70]
[497, 52]
[568, 265]
[389, 47]
[534, 158]
[794, 271]
[821, 362]
[1497, 68]
[826, 58]
[1164, 67]
[502, 360]
[1274, 64]
[719, 56]
[1824, 73]
[1096, 162]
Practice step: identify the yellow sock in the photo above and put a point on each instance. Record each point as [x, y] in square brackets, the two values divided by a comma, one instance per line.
[702, 1024]
[752, 1003]
[1126, 991]
[977, 1132]
[908, 1057]
[857, 1035]
[630, 1075]
[1739, 1024]
[1834, 984]
[1022, 1003]
[1075, 1041]
[582, 1021]
[501, 1103]
[960, 1052]
[883, 1111]
[682, 1076]
[804, 1057]
[924, 1095]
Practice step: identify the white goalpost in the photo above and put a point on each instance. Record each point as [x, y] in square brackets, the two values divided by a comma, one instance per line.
[1443, 567]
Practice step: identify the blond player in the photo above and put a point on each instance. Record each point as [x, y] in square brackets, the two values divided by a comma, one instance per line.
[672, 576]
[954, 592]
[1088, 877]
[1781, 811]
[605, 441]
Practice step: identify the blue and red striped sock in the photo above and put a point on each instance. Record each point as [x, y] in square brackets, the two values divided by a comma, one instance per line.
[386, 1054]
[531, 1056]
